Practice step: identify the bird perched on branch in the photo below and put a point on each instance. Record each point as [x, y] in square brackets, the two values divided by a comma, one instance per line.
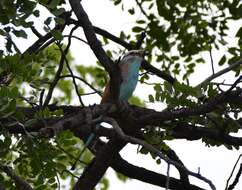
[129, 68]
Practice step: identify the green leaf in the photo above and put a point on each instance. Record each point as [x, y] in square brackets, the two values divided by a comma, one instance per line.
[13, 92]
[20, 33]
[53, 3]
[48, 21]
[151, 98]
[4, 92]
[57, 35]
[222, 61]
[36, 13]
[158, 161]
[137, 29]
[239, 33]
[59, 11]
[117, 2]
[131, 11]
[140, 22]
[59, 20]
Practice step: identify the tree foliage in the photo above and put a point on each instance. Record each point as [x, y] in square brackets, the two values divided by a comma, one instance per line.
[41, 130]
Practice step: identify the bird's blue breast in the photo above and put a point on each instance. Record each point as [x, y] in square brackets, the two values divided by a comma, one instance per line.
[130, 78]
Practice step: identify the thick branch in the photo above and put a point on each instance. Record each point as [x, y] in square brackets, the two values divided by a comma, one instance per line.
[122, 166]
[166, 115]
[94, 172]
[191, 132]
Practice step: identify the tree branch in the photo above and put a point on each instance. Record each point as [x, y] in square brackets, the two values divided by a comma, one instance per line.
[56, 79]
[111, 68]
[105, 34]
[236, 180]
[216, 75]
[84, 81]
[192, 132]
[227, 183]
[166, 115]
[40, 42]
[19, 182]
[122, 166]
[95, 171]
[141, 8]
[90, 35]
[151, 148]
[148, 67]
[69, 68]
[145, 65]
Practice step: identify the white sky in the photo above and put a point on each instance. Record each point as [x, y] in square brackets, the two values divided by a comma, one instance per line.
[215, 163]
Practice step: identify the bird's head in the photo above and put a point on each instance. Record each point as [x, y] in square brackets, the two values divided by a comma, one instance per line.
[138, 53]
[133, 56]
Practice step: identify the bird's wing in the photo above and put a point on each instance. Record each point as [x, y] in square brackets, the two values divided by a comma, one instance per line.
[124, 69]
[106, 93]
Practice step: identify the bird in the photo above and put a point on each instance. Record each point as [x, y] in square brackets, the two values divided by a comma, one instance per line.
[129, 67]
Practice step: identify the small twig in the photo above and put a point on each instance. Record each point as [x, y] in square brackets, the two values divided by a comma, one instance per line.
[67, 171]
[168, 176]
[234, 85]
[221, 83]
[140, 41]
[141, 8]
[13, 43]
[84, 81]
[36, 32]
[41, 97]
[70, 155]
[47, 43]
[28, 101]
[59, 71]
[55, 81]
[78, 38]
[236, 180]
[69, 68]
[231, 67]
[58, 181]
[151, 83]
[227, 183]
[105, 34]
[211, 59]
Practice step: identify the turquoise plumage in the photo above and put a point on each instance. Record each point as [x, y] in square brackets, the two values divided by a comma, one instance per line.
[129, 67]
[130, 75]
